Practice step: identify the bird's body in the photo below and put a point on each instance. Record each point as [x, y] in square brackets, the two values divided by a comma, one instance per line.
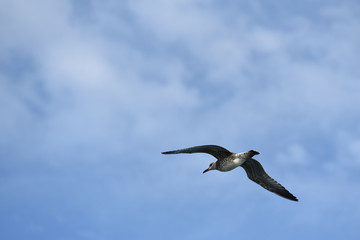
[227, 161]
[233, 161]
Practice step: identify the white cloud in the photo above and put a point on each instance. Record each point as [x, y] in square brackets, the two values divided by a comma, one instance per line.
[295, 154]
[261, 66]
[348, 149]
[142, 76]
[95, 83]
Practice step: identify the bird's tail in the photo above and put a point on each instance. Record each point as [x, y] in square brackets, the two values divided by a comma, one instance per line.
[252, 153]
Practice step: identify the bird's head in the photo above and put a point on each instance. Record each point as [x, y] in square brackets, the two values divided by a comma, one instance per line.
[212, 166]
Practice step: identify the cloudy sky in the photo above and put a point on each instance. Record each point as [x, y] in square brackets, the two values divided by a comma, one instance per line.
[91, 92]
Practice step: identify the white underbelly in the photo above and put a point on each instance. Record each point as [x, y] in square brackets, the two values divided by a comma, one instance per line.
[232, 164]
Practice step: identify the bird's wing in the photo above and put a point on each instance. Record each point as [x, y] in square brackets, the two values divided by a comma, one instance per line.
[256, 173]
[216, 151]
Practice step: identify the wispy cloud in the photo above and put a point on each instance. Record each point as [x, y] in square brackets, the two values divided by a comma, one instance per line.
[91, 92]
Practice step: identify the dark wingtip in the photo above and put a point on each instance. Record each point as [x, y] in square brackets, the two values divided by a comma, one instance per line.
[295, 199]
[289, 196]
[168, 152]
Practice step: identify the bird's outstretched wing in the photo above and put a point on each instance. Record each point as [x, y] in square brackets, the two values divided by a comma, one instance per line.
[256, 173]
[216, 151]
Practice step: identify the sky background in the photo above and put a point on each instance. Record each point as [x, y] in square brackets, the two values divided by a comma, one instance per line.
[91, 93]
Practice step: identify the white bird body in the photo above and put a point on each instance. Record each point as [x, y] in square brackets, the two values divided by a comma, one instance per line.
[232, 162]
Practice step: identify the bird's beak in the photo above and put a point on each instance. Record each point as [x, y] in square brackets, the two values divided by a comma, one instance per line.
[206, 170]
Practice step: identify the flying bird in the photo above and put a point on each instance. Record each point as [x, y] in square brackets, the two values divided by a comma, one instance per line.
[227, 161]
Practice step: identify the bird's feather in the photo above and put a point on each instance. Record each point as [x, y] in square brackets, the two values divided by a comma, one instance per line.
[256, 173]
[216, 151]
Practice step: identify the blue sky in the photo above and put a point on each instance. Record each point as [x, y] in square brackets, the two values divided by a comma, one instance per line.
[91, 92]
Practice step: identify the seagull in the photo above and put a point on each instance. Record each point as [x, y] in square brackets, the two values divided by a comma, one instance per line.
[227, 161]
